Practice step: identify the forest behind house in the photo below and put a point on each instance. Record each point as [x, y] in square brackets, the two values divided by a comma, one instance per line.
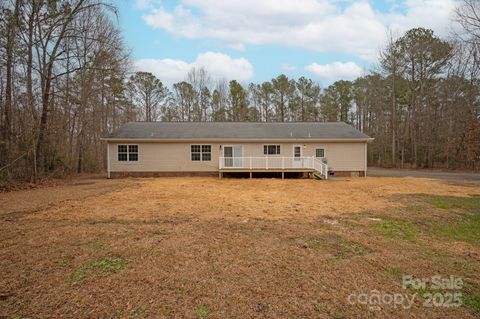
[66, 80]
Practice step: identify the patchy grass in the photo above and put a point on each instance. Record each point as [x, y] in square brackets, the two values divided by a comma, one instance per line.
[471, 204]
[338, 246]
[140, 313]
[416, 208]
[396, 228]
[348, 249]
[395, 273]
[95, 245]
[159, 232]
[265, 248]
[314, 243]
[339, 315]
[300, 272]
[202, 311]
[461, 224]
[472, 302]
[465, 228]
[103, 267]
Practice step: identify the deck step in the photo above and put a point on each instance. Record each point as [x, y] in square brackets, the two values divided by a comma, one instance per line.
[317, 175]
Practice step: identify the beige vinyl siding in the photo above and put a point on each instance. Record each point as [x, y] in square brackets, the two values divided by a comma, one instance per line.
[163, 157]
[175, 156]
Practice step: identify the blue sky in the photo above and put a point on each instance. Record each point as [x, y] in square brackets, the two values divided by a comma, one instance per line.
[251, 40]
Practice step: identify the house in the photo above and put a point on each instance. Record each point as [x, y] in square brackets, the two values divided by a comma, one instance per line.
[206, 148]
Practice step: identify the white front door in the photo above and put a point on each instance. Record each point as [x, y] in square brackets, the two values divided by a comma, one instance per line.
[228, 156]
[233, 155]
[297, 156]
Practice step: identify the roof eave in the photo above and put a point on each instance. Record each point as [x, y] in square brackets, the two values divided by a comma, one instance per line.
[172, 140]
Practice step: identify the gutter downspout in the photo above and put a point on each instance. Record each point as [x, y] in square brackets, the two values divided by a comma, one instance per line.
[365, 160]
[108, 160]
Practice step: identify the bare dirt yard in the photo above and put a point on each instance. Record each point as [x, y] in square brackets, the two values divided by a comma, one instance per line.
[240, 248]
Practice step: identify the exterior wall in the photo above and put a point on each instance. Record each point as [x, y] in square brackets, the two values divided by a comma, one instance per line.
[175, 156]
[160, 174]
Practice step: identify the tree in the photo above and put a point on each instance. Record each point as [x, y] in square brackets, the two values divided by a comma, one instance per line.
[472, 141]
[185, 100]
[425, 57]
[308, 98]
[66, 72]
[11, 30]
[467, 14]
[238, 102]
[392, 66]
[337, 100]
[282, 89]
[219, 101]
[199, 81]
[149, 94]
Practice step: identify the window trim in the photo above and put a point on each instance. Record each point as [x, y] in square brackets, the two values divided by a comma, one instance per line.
[128, 153]
[201, 153]
[301, 152]
[277, 146]
[320, 148]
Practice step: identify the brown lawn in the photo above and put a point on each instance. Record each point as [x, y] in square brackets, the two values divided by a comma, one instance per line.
[230, 248]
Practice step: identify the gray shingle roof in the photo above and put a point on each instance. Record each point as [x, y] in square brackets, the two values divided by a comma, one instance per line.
[236, 130]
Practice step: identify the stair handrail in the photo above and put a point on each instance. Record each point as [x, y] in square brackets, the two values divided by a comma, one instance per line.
[321, 167]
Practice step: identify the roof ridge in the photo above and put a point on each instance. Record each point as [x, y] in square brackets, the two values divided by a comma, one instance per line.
[238, 130]
[233, 122]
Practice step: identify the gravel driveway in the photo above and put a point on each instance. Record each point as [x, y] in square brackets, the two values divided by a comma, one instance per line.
[374, 171]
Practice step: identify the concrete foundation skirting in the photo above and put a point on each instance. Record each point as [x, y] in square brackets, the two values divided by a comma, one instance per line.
[160, 174]
[349, 173]
[215, 173]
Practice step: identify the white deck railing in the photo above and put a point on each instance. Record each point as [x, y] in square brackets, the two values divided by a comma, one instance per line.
[274, 162]
[320, 167]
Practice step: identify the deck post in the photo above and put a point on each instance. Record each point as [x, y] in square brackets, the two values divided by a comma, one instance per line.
[220, 174]
[283, 175]
[108, 160]
[250, 174]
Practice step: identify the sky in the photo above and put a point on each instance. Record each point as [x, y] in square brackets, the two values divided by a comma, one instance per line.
[257, 40]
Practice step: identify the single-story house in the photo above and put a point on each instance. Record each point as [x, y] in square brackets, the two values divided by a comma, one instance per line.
[204, 148]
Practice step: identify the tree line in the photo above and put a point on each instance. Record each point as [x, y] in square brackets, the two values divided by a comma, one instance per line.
[66, 81]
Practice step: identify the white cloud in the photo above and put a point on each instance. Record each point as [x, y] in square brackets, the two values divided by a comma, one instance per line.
[319, 25]
[434, 14]
[218, 66]
[146, 4]
[335, 71]
[288, 67]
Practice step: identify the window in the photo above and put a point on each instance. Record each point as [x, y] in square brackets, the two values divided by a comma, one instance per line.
[319, 152]
[196, 152]
[297, 152]
[271, 149]
[133, 153]
[201, 152]
[122, 153]
[206, 152]
[127, 153]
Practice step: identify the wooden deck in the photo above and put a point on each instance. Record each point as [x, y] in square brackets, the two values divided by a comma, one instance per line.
[273, 165]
